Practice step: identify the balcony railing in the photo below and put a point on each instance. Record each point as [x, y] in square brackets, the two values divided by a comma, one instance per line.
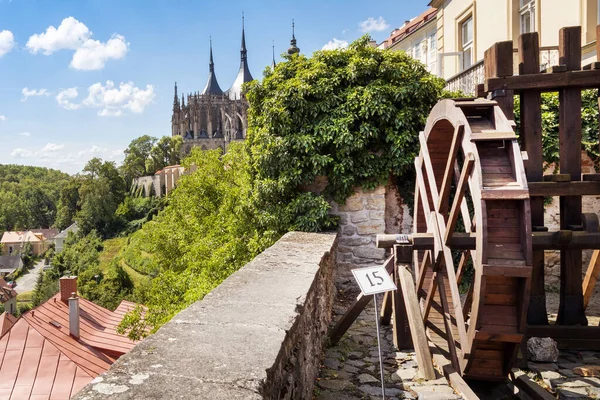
[467, 80]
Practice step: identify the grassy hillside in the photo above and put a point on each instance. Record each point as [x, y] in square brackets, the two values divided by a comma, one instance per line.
[113, 249]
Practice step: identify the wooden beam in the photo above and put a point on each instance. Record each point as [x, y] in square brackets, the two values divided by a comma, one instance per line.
[453, 376]
[448, 322]
[385, 315]
[564, 332]
[575, 188]
[570, 310]
[415, 322]
[421, 185]
[492, 136]
[591, 275]
[433, 190]
[462, 265]
[546, 82]
[459, 196]
[529, 387]
[442, 205]
[401, 333]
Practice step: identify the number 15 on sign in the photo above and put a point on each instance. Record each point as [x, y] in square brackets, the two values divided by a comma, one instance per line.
[373, 280]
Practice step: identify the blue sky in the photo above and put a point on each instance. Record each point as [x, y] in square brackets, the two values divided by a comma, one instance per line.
[80, 79]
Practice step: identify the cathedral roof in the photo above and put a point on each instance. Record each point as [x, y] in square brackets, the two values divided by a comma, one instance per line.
[293, 48]
[212, 86]
[244, 75]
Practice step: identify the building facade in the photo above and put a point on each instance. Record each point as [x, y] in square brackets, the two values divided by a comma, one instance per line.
[213, 118]
[467, 28]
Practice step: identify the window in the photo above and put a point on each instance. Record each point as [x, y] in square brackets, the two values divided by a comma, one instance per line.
[417, 51]
[432, 52]
[527, 12]
[466, 29]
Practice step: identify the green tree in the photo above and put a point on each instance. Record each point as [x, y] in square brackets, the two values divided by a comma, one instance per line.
[136, 155]
[102, 190]
[68, 204]
[351, 115]
[167, 151]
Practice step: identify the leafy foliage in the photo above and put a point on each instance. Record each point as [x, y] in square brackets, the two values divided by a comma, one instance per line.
[351, 115]
[550, 124]
[208, 230]
[29, 196]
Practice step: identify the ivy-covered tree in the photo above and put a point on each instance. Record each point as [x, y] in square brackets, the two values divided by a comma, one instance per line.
[352, 115]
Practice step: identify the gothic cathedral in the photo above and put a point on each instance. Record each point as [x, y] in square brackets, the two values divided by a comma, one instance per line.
[214, 118]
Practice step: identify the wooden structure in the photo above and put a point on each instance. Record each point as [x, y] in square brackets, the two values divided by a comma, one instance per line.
[479, 207]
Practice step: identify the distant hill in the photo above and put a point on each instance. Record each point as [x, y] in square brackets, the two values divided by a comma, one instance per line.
[29, 196]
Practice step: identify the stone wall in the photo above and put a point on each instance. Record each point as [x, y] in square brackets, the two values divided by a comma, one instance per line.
[366, 214]
[259, 335]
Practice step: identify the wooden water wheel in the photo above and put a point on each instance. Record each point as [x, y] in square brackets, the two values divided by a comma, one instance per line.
[470, 165]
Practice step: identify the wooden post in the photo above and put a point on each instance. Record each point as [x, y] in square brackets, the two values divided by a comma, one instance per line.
[571, 310]
[401, 330]
[499, 63]
[416, 325]
[531, 135]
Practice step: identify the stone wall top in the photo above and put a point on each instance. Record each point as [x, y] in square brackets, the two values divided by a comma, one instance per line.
[227, 345]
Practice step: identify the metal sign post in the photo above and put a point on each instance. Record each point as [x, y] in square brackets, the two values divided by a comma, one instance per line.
[374, 280]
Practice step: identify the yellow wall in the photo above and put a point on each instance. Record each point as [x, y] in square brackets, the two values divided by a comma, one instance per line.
[499, 20]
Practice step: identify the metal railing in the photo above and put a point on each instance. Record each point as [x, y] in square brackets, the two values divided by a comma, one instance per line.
[467, 80]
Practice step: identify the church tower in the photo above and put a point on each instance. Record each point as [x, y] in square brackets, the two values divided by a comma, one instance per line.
[293, 48]
[244, 75]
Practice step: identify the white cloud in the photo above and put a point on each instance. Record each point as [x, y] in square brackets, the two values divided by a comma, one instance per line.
[335, 44]
[27, 134]
[27, 93]
[64, 96]
[52, 147]
[94, 54]
[113, 101]
[2, 118]
[7, 42]
[92, 151]
[373, 25]
[21, 153]
[90, 54]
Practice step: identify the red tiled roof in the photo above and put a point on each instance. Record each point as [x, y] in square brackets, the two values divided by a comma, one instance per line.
[98, 326]
[6, 322]
[32, 367]
[6, 292]
[411, 27]
[39, 359]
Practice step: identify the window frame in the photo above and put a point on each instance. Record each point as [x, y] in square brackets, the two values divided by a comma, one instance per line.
[432, 52]
[468, 45]
[527, 9]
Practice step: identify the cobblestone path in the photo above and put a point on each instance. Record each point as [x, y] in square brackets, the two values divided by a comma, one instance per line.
[350, 370]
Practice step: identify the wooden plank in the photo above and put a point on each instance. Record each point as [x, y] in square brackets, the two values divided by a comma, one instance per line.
[508, 271]
[496, 61]
[593, 65]
[385, 315]
[557, 178]
[439, 232]
[546, 82]
[555, 69]
[591, 275]
[574, 188]
[564, 332]
[504, 193]
[459, 196]
[415, 322]
[529, 387]
[433, 189]
[476, 137]
[442, 205]
[570, 310]
[453, 376]
[499, 337]
[421, 185]
[590, 177]
[448, 323]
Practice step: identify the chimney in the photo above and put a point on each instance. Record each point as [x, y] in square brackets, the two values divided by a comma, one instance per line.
[74, 315]
[68, 285]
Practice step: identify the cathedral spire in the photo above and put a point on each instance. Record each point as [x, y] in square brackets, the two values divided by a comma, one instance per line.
[212, 86]
[293, 48]
[244, 75]
[175, 100]
[273, 64]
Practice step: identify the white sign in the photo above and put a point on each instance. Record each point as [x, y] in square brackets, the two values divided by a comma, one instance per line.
[373, 280]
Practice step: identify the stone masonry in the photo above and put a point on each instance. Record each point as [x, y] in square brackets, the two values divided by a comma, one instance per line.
[258, 335]
[364, 215]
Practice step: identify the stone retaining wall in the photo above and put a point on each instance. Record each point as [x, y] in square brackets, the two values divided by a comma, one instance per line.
[259, 335]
